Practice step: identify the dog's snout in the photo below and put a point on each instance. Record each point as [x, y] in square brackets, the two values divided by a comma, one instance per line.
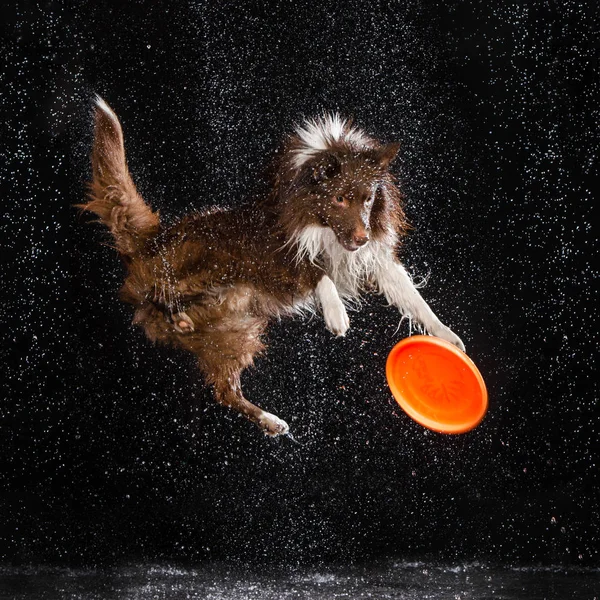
[361, 237]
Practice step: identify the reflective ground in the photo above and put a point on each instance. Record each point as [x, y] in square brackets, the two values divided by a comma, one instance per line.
[391, 580]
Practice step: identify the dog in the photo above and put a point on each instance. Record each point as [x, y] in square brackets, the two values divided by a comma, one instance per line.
[327, 231]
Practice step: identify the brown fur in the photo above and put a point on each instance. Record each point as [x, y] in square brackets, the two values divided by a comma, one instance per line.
[211, 283]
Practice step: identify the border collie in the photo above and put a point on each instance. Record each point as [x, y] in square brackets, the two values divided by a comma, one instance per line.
[327, 231]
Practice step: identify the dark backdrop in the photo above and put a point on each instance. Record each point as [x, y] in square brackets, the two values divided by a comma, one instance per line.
[113, 450]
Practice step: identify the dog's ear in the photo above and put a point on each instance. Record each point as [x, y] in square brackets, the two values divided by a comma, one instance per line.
[325, 168]
[385, 154]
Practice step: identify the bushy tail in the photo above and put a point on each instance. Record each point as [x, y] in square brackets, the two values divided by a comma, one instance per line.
[113, 196]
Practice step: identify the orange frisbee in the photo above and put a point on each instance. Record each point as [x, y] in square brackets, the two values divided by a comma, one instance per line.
[436, 384]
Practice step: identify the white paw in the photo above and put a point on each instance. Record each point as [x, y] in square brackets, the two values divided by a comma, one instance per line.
[272, 425]
[336, 319]
[447, 334]
[334, 312]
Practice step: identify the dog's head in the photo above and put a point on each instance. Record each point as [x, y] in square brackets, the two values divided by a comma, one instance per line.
[338, 178]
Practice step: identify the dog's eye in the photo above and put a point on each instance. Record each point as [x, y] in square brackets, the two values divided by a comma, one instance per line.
[340, 200]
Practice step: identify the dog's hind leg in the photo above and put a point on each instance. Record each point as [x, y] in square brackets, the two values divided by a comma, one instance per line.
[229, 393]
[222, 356]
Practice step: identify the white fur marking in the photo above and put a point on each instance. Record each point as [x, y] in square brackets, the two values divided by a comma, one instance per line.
[350, 271]
[319, 134]
[334, 312]
[101, 104]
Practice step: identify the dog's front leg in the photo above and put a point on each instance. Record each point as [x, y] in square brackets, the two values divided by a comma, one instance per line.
[334, 311]
[397, 286]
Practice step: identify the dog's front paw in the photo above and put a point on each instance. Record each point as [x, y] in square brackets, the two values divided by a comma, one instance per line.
[447, 334]
[272, 425]
[334, 311]
[336, 318]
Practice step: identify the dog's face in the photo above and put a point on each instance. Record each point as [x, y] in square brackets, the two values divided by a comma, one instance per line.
[342, 189]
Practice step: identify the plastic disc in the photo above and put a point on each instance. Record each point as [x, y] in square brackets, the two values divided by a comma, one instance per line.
[436, 384]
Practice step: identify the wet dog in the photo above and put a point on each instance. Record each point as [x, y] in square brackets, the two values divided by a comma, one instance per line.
[327, 231]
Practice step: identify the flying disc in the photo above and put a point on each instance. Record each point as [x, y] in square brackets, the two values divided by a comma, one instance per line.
[436, 384]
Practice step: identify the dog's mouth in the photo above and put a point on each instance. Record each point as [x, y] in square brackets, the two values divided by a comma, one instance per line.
[350, 246]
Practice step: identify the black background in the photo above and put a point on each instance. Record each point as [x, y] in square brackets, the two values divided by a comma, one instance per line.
[113, 450]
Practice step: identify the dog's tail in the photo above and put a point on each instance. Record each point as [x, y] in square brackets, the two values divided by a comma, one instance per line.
[113, 196]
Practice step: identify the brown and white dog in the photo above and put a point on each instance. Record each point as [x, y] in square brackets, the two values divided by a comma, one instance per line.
[327, 231]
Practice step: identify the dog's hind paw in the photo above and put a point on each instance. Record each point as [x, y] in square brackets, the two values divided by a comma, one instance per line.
[182, 322]
[272, 425]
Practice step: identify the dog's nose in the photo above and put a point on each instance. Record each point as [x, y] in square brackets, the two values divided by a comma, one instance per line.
[360, 238]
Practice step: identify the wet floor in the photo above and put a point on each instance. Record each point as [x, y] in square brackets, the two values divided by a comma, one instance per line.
[392, 580]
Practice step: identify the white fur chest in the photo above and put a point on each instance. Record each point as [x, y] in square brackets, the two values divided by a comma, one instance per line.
[350, 271]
